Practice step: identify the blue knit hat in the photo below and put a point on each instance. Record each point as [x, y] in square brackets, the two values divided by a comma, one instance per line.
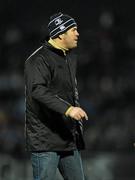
[59, 24]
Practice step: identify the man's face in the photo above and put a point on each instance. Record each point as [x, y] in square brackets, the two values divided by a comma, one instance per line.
[70, 38]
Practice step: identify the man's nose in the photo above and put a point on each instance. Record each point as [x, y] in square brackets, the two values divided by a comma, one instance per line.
[77, 33]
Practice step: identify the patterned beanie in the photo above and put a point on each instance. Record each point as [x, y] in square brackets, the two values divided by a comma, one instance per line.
[59, 24]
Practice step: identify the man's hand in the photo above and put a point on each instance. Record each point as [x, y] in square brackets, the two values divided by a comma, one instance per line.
[77, 113]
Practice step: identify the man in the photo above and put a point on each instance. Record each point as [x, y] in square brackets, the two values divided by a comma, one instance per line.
[53, 115]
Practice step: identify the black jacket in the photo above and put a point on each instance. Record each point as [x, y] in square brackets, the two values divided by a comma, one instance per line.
[50, 91]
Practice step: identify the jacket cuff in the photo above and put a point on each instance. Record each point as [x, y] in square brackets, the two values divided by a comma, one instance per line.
[68, 110]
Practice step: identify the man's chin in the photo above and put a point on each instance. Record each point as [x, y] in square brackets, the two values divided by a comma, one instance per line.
[75, 45]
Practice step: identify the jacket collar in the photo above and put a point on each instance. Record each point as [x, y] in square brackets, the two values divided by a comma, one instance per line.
[55, 45]
[59, 51]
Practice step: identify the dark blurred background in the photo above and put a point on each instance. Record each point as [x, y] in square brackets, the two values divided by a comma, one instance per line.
[106, 73]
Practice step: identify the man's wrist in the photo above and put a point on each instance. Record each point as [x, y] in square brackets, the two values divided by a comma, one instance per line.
[68, 110]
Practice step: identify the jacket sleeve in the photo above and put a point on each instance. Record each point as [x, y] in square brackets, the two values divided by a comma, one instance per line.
[38, 78]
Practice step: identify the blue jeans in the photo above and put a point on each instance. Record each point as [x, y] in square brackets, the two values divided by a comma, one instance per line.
[45, 165]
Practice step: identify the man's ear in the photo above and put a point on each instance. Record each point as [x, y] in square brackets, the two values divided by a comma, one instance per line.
[60, 36]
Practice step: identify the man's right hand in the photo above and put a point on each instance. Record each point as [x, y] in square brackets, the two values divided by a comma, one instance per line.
[77, 113]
